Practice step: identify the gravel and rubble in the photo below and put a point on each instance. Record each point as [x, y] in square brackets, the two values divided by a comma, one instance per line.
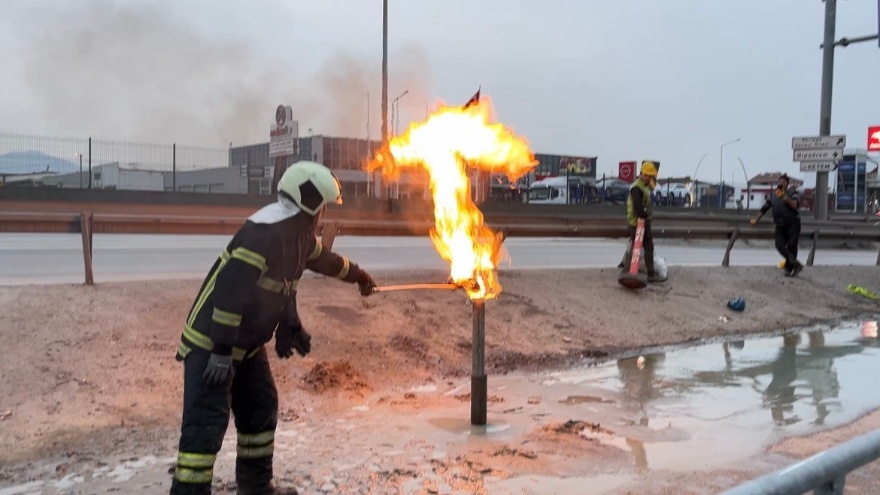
[90, 392]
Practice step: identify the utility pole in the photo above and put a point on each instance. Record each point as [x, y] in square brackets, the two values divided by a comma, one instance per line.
[384, 89]
[821, 195]
[827, 46]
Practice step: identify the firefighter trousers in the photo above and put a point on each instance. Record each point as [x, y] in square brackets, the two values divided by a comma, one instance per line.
[252, 398]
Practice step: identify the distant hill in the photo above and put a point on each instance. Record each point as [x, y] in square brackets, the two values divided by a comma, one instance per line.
[30, 162]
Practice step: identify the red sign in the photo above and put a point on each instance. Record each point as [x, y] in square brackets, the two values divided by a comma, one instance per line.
[626, 171]
[874, 138]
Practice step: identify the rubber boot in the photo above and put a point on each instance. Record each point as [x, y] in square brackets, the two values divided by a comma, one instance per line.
[180, 488]
[653, 278]
[254, 477]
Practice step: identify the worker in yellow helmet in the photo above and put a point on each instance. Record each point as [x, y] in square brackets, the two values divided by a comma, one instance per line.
[638, 205]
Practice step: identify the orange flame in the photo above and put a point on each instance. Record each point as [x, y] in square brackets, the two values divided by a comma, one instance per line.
[445, 145]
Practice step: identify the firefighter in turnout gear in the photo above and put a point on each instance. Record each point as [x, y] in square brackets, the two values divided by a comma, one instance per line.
[249, 295]
[638, 205]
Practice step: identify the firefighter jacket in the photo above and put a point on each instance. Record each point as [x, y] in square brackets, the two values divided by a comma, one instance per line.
[240, 302]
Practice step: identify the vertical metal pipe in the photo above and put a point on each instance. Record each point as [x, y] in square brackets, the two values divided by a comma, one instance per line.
[174, 167]
[90, 163]
[820, 205]
[479, 383]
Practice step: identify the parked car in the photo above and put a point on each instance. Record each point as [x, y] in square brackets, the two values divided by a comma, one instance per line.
[614, 193]
[673, 195]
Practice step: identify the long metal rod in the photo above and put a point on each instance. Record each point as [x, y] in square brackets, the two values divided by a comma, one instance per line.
[391, 288]
[479, 382]
[844, 42]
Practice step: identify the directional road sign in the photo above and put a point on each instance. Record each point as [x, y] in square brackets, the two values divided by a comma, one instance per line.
[818, 142]
[832, 154]
[818, 166]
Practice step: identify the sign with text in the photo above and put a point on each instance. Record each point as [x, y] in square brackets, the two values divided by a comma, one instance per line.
[833, 154]
[874, 138]
[818, 166]
[253, 171]
[818, 142]
[283, 133]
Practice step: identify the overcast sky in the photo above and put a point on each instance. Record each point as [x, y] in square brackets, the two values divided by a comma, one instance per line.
[622, 80]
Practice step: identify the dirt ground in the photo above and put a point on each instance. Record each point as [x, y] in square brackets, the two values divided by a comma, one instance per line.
[89, 372]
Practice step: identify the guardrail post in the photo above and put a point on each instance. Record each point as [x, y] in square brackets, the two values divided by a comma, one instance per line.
[328, 235]
[878, 257]
[503, 233]
[734, 235]
[85, 225]
[813, 248]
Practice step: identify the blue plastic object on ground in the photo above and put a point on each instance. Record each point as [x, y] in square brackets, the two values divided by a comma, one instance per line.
[737, 304]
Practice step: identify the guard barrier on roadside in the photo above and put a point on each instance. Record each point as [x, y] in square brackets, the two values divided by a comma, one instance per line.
[665, 226]
[824, 473]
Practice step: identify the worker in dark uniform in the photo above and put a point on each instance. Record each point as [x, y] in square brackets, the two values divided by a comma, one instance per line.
[785, 202]
[249, 295]
[638, 205]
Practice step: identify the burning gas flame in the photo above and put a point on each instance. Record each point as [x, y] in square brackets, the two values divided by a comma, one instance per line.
[445, 145]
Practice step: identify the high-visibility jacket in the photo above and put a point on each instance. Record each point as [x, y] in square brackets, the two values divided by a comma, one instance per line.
[633, 213]
[240, 302]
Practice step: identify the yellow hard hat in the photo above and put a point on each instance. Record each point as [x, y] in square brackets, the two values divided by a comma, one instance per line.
[648, 168]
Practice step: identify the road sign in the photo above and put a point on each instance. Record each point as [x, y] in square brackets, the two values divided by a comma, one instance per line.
[818, 166]
[874, 138]
[253, 171]
[818, 142]
[832, 154]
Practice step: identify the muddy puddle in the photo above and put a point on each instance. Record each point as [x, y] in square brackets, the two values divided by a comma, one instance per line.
[597, 429]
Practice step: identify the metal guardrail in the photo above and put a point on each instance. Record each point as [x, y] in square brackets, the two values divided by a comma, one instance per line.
[665, 226]
[824, 473]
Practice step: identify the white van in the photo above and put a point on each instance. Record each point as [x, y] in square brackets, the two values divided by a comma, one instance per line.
[552, 190]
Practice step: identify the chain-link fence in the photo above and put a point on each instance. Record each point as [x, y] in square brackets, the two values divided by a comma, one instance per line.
[89, 163]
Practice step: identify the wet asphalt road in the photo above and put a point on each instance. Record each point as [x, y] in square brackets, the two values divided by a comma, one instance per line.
[57, 258]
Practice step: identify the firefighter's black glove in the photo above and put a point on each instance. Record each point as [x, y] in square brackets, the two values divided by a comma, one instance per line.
[292, 338]
[219, 369]
[366, 284]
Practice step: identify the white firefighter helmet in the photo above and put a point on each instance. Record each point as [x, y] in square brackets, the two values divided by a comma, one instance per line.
[310, 186]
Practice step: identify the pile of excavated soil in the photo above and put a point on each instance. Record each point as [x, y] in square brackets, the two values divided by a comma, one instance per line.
[93, 367]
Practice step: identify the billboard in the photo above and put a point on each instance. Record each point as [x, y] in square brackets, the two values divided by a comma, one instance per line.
[851, 187]
[283, 133]
[874, 138]
[559, 165]
[577, 165]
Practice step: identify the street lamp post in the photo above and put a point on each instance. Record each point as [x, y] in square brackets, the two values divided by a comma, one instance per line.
[748, 186]
[696, 182]
[721, 172]
[395, 107]
[388, 189]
